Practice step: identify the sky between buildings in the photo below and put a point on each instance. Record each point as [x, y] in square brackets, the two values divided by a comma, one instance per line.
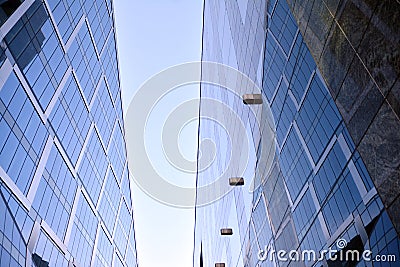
[151, 36]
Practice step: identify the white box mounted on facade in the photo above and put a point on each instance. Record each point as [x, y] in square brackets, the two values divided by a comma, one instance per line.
[236, 181]
[252, 99]
[226, 231]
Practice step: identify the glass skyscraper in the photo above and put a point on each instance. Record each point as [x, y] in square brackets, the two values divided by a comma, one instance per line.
[65, 197]
[327, 175]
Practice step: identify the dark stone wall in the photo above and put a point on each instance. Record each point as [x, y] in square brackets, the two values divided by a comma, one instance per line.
[356, 45]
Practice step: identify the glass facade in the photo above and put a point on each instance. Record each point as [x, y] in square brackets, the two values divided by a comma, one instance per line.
[317, 189]
[65, 195]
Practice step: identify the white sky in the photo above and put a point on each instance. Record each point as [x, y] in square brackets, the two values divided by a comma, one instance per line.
[151, 36]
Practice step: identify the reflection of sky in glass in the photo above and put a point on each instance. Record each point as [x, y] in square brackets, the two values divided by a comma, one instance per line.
[151, 36]
[317, 190]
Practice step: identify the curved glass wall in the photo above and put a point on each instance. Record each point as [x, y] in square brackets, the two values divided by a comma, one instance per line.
[318, 190]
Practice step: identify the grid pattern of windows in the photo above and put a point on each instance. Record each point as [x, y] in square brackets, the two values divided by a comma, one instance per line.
[70, 119]
[131, 249]
[85, 63]
[318, 121]
[260, 219]
[100, 21]
[60, 107]
[49, 253]
[273, 66]
[118, 106]
[285, 119]
[66, 13]
[260, 214]
[117, 153]
[314, 240]
[318, 118]
[303, 213]
[318, 187]
[283, 26]
[22, 134]
[93, 168]
[55, 195]
[294, 163]
[122, 229]
[279, 100]
[299, 68]
[12, 245]
[22, 218]
[83, 233]
[109, 202]
[103, 113]
[104, 250]
[110, 67]
[126, 190]
[37, 51]
[343, 201]
[384, 240]
[362, 171]
[329, 172]
[284, 240]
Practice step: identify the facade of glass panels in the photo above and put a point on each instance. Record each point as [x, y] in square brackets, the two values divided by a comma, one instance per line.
[65, 188]
[317, 190]
[359, 42]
